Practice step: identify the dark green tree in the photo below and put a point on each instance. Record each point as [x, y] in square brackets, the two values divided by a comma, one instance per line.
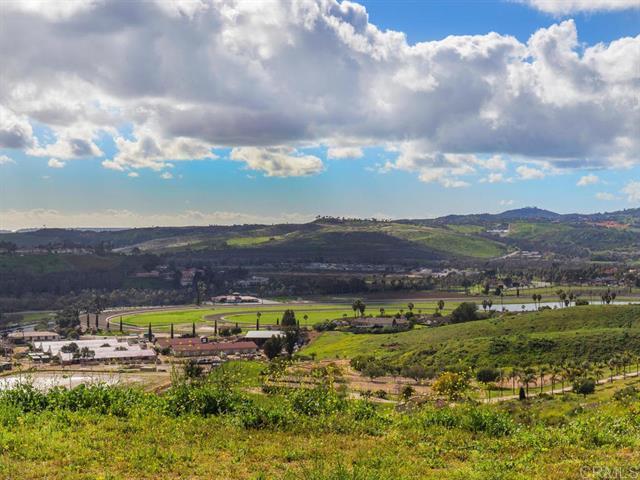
[288, 319]
[465, 312]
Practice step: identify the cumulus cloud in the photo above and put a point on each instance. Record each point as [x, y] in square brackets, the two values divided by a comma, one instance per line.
[149, 150]
[15, 130]
[496, 162]
[561, 7]
[278, 161]
[530, 173]
[632, 192]
[253, 76]
[586, 180]
[345, 152]
[166, 176]
[133, 174]
[495, 178]
[55, 163]
[5, 160]
[605, 196]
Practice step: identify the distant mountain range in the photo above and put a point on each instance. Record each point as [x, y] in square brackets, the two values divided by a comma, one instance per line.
[599, 236]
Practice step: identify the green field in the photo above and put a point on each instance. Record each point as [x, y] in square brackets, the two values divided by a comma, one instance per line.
[591, 332]
[456, 243]
[120, 433]
[315, 313]
[251, 241]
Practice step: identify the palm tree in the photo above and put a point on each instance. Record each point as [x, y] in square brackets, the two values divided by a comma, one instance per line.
[598, 370]
[410, 307]
[611, 363]
[625, 360]
[382, 311]
[440, 305]
[527, 376]
[514, 374]
[554, 374]
[258, 315]
[542, 371]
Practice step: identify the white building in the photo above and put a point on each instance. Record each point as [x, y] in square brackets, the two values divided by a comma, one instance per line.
[34, 336]
[99, 350]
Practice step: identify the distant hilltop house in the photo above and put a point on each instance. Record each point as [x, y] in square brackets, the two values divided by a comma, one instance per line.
[29, 337]
[254, 281]
[187, 275]
[236, 298]
[108, 349]
[499, 230]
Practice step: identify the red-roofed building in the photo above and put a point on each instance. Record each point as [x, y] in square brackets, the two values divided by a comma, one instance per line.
[209, 349]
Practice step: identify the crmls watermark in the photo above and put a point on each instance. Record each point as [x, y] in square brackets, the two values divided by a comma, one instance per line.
[629, 472]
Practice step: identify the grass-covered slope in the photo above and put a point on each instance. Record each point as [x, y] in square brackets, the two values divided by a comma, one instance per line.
[592, 332]
[218, 430]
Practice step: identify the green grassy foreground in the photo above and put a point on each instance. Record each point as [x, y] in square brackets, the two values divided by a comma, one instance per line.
[213, 430]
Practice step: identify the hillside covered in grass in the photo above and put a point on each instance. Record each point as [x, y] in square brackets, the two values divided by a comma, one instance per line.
[593, 333]
[327, 239]
[215, 429]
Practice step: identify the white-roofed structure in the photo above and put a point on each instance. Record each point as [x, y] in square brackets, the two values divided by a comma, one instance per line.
[261, 336]
[110, 349]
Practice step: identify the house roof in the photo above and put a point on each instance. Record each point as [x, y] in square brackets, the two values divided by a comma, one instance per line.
[32, 334]
[260, 334]
[215, 347]
[171, 342]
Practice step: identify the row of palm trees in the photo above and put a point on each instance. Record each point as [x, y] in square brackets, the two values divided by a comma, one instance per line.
[568, 372]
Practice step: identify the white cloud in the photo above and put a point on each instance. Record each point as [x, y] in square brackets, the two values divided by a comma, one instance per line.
[632, 191]
[496, 178]
[278, 161]
[149, 150]
[166, 175]
[5, 160]
[345, 152]
[529, 173]
[559, 7]
[69, 145]
[133, 174]
[496, 162]
[586, 180]
[506, 203]
[16, 219]
[605, 196]
[246, 74]
[55, 163]
[15, 130]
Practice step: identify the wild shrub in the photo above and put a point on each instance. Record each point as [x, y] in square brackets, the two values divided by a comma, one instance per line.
[320, 400]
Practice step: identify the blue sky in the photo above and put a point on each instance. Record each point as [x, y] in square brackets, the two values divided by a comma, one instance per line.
[288, 174]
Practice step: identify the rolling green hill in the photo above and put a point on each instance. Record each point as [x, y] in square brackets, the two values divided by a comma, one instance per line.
[592, 332]
[327, 239]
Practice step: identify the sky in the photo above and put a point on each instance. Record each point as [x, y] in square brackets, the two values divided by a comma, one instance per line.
[196, 112]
